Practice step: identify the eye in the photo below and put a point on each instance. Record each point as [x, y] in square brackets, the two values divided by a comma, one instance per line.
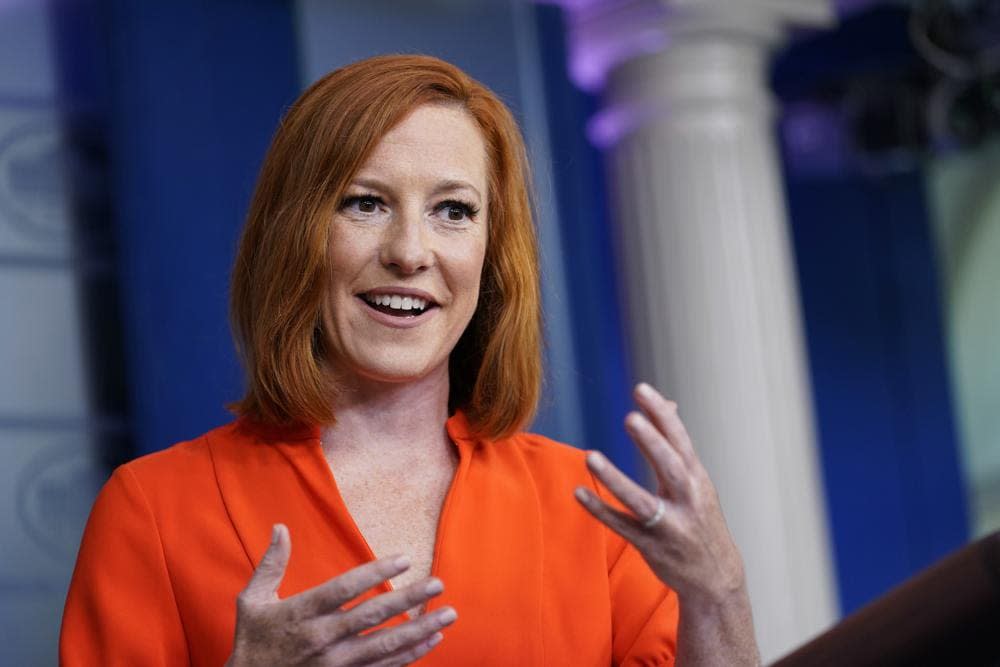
[361, 203]
[457, 211]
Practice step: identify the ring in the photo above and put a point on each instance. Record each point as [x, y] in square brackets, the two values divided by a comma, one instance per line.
[661, 509]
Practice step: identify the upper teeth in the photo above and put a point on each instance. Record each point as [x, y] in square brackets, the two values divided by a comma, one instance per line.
[398, 302]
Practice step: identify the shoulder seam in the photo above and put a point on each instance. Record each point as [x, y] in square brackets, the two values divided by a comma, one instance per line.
[225, 504]
[127, 470]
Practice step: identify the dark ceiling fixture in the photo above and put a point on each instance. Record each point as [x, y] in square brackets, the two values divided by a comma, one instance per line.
[960, 39]
[893, 85]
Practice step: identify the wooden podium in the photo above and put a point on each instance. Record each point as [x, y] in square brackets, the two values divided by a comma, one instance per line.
[949, 614]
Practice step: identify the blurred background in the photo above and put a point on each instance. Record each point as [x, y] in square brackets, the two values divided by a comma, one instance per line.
[785, 213]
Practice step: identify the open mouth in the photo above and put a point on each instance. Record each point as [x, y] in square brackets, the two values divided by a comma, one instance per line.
[397, 305]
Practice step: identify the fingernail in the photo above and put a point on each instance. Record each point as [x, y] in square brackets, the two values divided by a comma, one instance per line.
[401, 562]
[434, 586]
[595, 461]
[275, 533]
[435, 639]
[447, 615]
[644, 390]
[633, 420]
[582, 494]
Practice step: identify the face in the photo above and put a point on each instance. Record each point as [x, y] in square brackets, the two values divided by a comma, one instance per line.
[407, 245]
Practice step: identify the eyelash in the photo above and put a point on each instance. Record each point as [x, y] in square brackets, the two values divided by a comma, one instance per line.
[347, 202]
[470, 210]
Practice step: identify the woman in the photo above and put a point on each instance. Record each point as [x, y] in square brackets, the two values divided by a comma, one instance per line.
[386, 303]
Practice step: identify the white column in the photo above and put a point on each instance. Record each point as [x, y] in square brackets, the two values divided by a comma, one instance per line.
[713, 311]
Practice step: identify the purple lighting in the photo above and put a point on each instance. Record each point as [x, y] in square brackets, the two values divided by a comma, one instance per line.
[847, 7]
[815, 138]
[602, 34]
[608, 126]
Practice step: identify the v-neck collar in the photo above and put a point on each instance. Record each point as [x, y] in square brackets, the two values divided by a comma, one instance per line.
[488, 547]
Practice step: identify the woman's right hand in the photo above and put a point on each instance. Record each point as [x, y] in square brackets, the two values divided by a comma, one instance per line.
[312, 628]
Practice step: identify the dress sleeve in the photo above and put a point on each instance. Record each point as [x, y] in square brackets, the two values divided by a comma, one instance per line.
[120, 609]
[644, 611]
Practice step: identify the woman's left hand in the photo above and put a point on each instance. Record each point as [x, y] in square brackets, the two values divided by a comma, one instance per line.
[681, 533]
[679, 530]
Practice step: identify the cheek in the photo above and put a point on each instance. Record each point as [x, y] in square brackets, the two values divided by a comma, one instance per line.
[472, 272]
[349, 250]
[463, 268]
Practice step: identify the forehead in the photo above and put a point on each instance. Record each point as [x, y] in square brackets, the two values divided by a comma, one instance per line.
[433, 142]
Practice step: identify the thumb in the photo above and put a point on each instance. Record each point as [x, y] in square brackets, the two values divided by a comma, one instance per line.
[270, 571]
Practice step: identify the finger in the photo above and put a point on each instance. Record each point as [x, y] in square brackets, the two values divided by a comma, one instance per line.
[625, 525]
[372, 613]
[266, 579]
[671, 471]
[411, 653]
[663, 414]
[384, 643]
[641, 502]
[331, 595]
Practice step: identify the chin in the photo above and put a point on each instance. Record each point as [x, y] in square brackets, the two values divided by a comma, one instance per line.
[380, 371]
[394, 375]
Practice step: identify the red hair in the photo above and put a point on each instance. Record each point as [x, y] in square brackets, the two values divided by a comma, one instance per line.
[280, 277]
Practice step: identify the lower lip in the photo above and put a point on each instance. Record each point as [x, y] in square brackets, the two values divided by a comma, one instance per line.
[395, 322]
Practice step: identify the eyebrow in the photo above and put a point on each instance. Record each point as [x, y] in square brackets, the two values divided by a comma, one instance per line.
[447, 185]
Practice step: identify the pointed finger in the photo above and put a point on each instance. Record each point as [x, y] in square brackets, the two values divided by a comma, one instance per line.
[375, 611]
[266, 578]
[412, 653]
[671, 470]
[638, 500]
[624, 524]
[384, 644]
[664, 416]
[331, 595]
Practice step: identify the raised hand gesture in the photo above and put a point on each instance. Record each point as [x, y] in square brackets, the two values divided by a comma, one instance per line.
[681, 533]
[313, 628]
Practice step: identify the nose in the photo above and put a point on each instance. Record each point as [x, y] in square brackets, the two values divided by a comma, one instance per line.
[406, 246]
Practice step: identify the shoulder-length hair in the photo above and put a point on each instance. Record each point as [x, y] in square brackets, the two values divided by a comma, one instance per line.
[280, 277]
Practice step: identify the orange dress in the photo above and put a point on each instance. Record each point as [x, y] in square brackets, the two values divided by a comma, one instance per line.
[173, 538]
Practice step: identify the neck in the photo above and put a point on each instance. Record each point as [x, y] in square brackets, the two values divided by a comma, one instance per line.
[385, 416]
